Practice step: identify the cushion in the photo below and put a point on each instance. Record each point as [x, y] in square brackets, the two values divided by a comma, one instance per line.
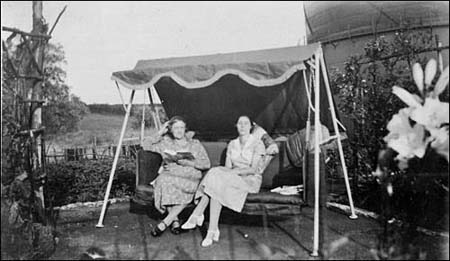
[265, 196]
[144, 193]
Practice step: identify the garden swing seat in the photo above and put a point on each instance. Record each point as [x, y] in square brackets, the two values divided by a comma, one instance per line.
[281, 89]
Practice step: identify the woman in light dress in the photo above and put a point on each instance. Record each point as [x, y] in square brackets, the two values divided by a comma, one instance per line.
[178, 180]
[229, 185]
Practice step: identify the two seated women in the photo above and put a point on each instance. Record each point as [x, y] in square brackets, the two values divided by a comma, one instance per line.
[179, 181]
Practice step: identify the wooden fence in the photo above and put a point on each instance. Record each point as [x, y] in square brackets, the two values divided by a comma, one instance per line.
[90, 153]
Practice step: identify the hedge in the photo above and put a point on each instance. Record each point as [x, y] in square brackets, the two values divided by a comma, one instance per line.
[85, 181]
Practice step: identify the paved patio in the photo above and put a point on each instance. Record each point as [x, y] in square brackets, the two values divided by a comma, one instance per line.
[127, 236]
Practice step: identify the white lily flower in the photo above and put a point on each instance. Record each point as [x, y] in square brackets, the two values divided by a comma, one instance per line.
[440, 141]
[405, 96]
[406, 140]
[432, 114]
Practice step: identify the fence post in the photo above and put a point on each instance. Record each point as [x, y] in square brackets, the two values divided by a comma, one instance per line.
[54, 153]
[94, 153]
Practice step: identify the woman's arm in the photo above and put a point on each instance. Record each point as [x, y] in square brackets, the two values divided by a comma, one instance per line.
[201, 161]
[151, 142]
[228, 163]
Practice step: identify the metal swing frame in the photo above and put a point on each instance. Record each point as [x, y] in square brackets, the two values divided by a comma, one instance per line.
[317, 65]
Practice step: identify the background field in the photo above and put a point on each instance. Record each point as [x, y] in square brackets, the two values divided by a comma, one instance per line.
[95, 128]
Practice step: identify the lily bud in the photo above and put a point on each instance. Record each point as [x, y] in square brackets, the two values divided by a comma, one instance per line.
[441, 83]
[418, 76]
[430, 71]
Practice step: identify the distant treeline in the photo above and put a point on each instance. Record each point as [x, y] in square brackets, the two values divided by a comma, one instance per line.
[114, 109]
[106, 108]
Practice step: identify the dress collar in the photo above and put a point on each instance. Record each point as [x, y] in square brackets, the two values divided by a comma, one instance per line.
[247, 143]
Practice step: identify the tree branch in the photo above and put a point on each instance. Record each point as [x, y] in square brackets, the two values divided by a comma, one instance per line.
[57, 19]
[9, 29]
[405, 53]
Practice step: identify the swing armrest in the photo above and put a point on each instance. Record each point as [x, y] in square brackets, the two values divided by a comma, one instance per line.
[147, 166]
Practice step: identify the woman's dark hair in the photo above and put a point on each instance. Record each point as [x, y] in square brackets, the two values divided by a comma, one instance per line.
[252, 123]
[172, 121]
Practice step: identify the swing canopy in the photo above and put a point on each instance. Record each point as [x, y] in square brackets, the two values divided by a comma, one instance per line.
[212, 91]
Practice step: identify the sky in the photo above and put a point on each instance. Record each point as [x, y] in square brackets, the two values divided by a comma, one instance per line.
[100, 38]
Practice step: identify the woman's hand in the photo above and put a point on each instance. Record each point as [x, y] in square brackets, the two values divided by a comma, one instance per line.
[238, 172]
[186, 163]
[272, 149]
[164, 128]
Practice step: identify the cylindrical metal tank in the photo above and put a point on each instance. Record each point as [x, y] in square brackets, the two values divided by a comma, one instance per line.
[344, 27]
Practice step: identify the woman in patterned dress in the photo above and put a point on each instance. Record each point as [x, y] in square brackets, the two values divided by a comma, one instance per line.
[178, 180]
[229, 185]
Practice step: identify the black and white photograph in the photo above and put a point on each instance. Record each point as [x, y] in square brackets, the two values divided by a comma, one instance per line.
[225, 130]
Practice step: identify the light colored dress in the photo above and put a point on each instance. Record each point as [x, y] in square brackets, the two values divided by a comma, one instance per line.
[229, 188]
[177, 184]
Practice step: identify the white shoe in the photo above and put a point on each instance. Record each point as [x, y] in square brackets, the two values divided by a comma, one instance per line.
[212, 235]
[193, 221]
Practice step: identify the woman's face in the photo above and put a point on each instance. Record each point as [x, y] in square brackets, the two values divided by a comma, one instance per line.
[178, 129]
[243, 126]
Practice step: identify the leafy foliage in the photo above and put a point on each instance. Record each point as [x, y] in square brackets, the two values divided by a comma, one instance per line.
[365, 91]
[149, 121]
[84, 181]
[29, 225]
[62, 111]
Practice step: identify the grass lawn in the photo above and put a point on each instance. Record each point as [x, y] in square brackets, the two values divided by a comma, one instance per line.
[101, 129]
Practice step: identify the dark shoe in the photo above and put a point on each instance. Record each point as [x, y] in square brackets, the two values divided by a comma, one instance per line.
[175, 228]
[156, 231]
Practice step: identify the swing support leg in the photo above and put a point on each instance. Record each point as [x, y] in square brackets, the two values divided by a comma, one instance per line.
[317, 127]
[155, 113]
[116, 158]
[336, 130]
[308, 133]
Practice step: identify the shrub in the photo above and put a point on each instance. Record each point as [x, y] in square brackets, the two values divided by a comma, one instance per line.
[365, 90]
[84, 181]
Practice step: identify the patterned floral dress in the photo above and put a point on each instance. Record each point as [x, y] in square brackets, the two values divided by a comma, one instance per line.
[177, 184]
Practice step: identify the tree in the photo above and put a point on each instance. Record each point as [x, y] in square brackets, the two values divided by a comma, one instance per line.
[62, 111]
